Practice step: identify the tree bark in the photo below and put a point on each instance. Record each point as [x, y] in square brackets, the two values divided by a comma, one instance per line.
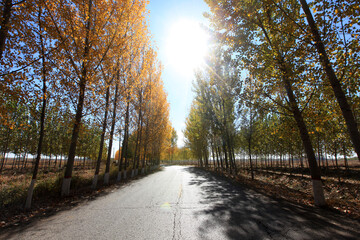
[107, 169]
[125, 141]
[140, 139]
[6, 15]
[251, 165]
[144, 162]
[103, 131]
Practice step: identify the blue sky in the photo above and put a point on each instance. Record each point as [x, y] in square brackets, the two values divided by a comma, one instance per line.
[178, 85]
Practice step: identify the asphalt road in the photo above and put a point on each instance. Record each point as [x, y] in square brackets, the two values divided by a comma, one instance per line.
[187, 203]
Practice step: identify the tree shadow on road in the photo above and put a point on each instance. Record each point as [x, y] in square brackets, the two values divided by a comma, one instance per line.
[245, 214]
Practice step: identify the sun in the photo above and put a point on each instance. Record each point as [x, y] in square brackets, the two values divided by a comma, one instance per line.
[186, 45]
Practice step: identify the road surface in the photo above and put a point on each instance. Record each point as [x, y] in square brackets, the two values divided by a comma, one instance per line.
[187, 203]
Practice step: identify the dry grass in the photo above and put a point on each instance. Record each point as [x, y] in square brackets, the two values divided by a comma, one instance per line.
[14, 186]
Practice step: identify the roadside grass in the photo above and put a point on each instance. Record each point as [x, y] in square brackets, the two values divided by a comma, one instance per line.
[13, 191]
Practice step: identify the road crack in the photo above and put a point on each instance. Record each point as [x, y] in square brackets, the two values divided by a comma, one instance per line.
[177, 216]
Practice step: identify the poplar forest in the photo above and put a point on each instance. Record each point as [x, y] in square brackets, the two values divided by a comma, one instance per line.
[83, 104]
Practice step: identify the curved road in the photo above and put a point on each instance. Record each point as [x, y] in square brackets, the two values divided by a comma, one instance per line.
[187, 203]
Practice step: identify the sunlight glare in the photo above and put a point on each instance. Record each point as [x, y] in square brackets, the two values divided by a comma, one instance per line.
[186, 45]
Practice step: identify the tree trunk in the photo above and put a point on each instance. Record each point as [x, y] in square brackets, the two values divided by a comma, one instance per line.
[256, 162]
[221, 159]
[42, 120]
[103, 131]
[138, 139]
[251, 165]
[226, 158]
[314, 169]
[144, 162]
[61, 157]
[337, 165]
[345, 159]
[125, 141]
[3, 158]
[56, 158]
[49, 162]
[217, 158]
[26, 160]
[334, 81]
[140, 142]
[107, 169]
[326, 160]
[65, 189]
[6, 15]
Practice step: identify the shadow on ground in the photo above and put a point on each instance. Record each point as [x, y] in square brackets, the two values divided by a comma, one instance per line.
[246, 214]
